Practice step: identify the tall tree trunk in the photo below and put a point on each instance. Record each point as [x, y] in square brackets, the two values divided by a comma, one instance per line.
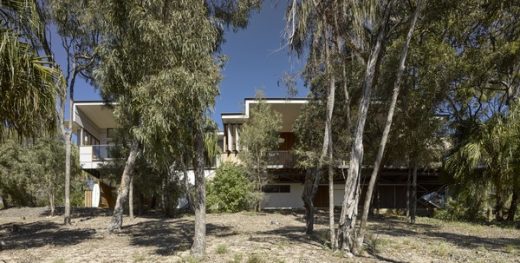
[408, 194]
[68, 144]
[199, 240]
[386, 131]
[348, 209]
[311, 184]
[131, 199]
[122, 194]
[332, 229]
[414, 194]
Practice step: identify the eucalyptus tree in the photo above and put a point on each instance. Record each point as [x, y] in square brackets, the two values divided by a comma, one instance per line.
[77, 25]
[258, 137]
[315, 24]
[157, 63]
[29, 80]
[388, 124]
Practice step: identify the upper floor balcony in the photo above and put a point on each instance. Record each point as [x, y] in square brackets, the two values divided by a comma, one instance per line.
[281, 159]
[94, 156]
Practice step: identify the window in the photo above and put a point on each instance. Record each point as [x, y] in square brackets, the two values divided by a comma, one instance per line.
[276, 188]
[89, 139]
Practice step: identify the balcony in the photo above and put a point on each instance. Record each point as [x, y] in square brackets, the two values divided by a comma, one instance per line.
[281, 159]
[90, 157]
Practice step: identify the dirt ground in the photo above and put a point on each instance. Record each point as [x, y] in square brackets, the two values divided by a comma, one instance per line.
[30, 235]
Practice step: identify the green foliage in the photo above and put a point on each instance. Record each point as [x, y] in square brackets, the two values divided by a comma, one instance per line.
[29, 84]
[31, 175]
[230, 190]
[222, 249]
[259, 136]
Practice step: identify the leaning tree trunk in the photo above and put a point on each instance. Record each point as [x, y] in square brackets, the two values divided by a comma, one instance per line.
[348, 209]
[199, 239]
[131, 199]
[122, 193]
[388, 124]
[414, 195]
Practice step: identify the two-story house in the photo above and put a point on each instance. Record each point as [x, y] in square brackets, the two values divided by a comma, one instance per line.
[95, 124]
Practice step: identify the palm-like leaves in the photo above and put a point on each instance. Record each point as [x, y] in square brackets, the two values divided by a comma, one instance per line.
[28, 83]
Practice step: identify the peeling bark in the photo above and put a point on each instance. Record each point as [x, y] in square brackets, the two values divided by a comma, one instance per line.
[131, 199]
[349, 209]
[386, 131]
[199, 240]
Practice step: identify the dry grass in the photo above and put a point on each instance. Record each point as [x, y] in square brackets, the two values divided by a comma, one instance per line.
[29, 235]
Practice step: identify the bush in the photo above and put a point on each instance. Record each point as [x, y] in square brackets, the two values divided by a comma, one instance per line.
[229, 190]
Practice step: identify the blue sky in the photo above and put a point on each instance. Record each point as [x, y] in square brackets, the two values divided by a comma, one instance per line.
[256, 61]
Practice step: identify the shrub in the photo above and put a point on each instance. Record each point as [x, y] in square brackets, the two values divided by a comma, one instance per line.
[229, 190]
[222, 249]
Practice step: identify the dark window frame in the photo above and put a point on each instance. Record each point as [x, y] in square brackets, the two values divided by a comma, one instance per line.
[276, 188]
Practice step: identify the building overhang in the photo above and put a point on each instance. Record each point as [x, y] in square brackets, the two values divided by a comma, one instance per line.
[289, 110]
[99, 113]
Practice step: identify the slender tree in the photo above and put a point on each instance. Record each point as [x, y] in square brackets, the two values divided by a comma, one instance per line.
[386, 131]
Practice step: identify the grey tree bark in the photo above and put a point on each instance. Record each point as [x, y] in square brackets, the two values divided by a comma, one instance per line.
[408, 186]
[312, 179]
[122, 194]
[52, 205]
[350, 199]
[68, 142]
[414, 195]
[388, 124]
[199, 240]
[131, 199]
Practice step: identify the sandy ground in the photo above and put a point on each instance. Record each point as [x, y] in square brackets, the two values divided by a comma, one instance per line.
[29, 235]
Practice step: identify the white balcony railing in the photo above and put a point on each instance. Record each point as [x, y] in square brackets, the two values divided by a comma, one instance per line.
[90, 156]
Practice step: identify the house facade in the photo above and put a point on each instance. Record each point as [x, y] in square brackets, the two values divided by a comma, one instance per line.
[94, 125]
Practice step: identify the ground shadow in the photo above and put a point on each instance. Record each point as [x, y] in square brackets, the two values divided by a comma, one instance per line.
[38, 234]
[170, 235]
[470, 241]
[399, 228]
[289, 233]
[79, 212]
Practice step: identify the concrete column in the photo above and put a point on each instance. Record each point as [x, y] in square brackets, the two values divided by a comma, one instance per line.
[237, 137]
[230, 137]
[224, 146]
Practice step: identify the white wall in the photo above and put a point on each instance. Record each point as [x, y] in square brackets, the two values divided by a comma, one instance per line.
[293, 199]
[208, 174]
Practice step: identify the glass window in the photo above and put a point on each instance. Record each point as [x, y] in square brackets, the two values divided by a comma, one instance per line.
[276, 188]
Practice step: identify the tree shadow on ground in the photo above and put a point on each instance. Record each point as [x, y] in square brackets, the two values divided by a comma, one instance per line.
[470, 242]
[38, 234]
[170, 235]
[399, 228]
[79, 212]
[294, 234]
